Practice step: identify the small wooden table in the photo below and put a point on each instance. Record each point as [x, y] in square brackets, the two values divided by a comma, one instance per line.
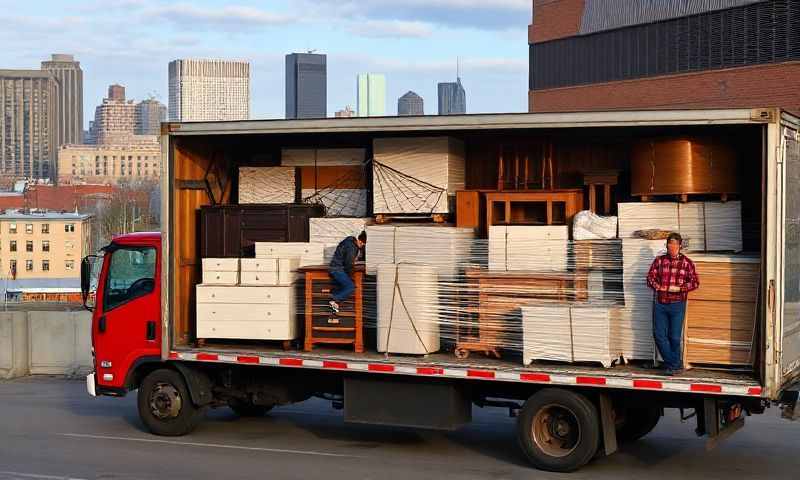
[323, 326]
[499, 294]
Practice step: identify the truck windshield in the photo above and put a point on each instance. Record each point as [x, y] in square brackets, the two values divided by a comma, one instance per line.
[131, 274]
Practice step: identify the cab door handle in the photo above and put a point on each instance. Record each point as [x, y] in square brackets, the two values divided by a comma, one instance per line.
[151, 330]
[101, 324]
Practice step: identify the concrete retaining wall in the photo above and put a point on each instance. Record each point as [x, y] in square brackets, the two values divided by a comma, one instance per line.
[45, 343]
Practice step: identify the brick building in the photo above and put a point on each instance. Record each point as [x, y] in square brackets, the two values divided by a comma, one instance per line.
[641, 54]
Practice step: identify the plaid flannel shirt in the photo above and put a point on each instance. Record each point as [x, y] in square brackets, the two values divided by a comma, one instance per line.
[669, 272]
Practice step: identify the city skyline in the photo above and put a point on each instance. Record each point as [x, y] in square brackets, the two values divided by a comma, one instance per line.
[415, 44]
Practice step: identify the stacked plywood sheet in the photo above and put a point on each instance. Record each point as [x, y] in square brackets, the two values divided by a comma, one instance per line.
[408, 316]
[647, 216]
[534, 248]
[568, 332]
[329, 232]
[307, 253]
[252, 313]
[447, 249]
[720, 318]
[220, 271]
[269, 271]
[322, 157]
[416, 175]
[266, 184]
[633, 324]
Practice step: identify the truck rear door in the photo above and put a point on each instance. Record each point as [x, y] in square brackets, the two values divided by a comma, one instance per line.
[787, 329]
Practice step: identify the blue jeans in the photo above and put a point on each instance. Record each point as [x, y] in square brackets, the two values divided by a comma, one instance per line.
[343, 286]
[668, 332]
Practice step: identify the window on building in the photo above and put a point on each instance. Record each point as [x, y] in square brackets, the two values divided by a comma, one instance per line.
[28, 228]
[12, 228]
[12, 247]
[45, 245]
[12, 266]
[69, 265]
[29, 245]
[45, 228]
[69, 228]
[69, 244]
[28, 265]
[45, 265]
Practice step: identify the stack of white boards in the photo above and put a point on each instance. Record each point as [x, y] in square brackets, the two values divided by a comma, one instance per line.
[266, 185]
[416, 175]
[408, 321]
[568, 333]
[446, 249]
[220, 271]
[307, 253]
[329, 232]
[530, 248]
[706, 226]
[252, 313]
[633, 326]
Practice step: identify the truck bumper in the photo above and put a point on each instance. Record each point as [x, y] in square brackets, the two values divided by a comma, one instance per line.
[91, 386]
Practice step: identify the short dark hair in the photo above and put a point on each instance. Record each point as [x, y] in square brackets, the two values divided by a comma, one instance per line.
[675, 236]
[363, 236]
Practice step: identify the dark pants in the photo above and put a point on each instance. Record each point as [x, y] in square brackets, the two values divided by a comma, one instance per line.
[668, 332]
[343, 286]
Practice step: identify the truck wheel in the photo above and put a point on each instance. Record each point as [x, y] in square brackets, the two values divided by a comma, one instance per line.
[248, 409]
[638, 422]
[558, 430]
[165, 406]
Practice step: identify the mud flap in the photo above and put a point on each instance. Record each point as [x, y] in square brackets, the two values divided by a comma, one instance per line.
[608, 424]
[720, 421]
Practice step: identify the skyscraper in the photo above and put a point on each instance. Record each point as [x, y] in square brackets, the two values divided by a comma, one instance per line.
[29, 122]
[306, 85]
[69, 75]
[209, 90]
[371, 95]
[114, 119]
[149, 115]
[410, 104]
[452, 98]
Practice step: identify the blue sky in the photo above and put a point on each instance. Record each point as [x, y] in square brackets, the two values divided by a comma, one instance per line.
[414, 42]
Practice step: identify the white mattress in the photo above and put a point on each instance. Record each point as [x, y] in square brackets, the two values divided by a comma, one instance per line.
[266, 185]
[408, 319]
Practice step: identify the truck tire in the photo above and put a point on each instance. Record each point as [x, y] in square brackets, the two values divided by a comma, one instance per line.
[558, 430]
[165, 405]
[248, 409]
[638, 422]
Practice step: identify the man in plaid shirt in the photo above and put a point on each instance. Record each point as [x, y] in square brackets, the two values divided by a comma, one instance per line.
[672, 276]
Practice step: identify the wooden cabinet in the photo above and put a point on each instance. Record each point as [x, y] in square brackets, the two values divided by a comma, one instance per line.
[231, 230]
[546, 207]
[468, 209]
[321, 325]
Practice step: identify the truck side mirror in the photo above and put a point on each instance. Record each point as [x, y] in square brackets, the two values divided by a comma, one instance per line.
[87, 270]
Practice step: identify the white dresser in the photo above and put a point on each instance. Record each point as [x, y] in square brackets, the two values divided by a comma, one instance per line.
[247, 312]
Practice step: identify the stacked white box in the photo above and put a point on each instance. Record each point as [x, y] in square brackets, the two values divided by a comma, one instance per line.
[546, 333]
[329, 232]
[249, 313]
[723, 226]
[339, 202]
[447, 249]
[534, 248]
[266, 184]
[412, 167]
[308, 253]
[647, 216]
[220, 271]
[408, 316]
[591, 334]
[692, 219]
[269, 271]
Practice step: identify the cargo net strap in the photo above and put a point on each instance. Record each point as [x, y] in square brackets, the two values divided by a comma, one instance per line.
[339, 198]
[400, 192]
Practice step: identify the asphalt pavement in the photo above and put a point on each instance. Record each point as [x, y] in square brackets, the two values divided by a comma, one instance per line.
[51, 429]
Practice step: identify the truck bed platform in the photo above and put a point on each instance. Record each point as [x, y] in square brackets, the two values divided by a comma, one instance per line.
[445, 365]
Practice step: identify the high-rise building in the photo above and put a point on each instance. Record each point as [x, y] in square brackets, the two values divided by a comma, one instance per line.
[410, 104]
[306, 85]
[452, 98]
[346, 112]
[114, 119]
[371, 95]
[209, 90]
[149, 115]
[615, 55]
[29, 122]
[69, 75]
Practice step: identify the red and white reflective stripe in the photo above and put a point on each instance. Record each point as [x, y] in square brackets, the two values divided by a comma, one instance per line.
[654, 384]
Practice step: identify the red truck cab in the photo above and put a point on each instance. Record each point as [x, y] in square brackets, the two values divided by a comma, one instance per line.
[126, 315]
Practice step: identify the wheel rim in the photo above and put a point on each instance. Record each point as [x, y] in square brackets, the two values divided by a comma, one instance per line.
[165, 401]
[556, 430]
